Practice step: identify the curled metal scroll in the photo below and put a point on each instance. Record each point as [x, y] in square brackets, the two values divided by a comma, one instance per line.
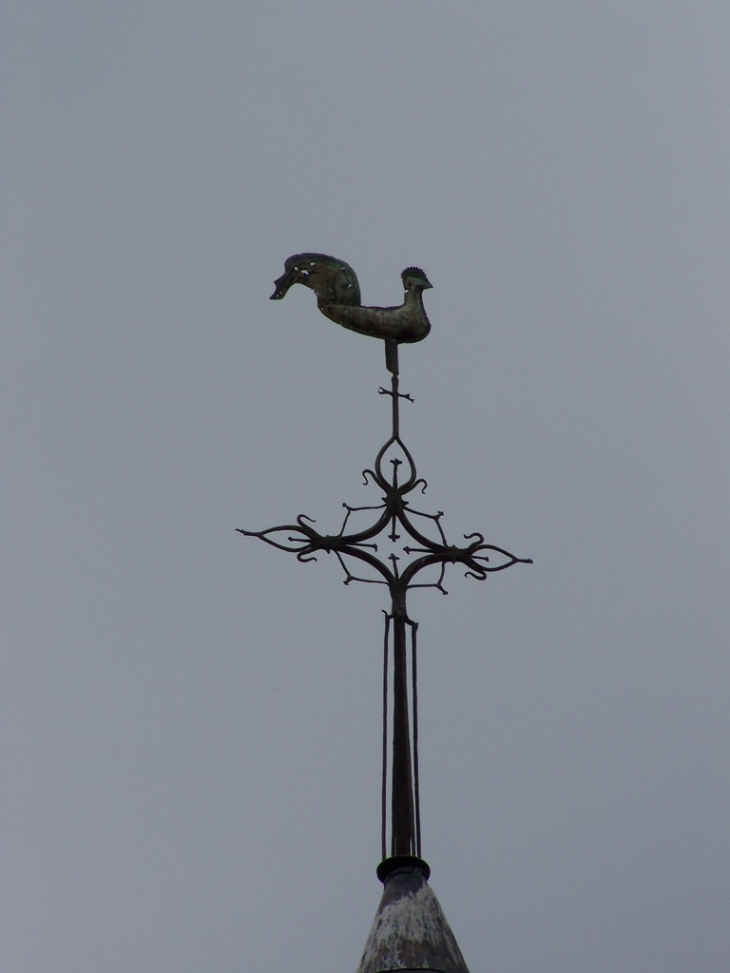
[393, 517]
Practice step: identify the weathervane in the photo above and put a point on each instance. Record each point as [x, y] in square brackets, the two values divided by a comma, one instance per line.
[394, 473]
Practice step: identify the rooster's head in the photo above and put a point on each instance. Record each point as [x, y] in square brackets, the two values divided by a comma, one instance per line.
[415, 277]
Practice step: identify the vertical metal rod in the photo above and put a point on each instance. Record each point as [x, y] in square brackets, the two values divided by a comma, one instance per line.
[384, 784]
[395, 396]
[402, 837]
[414, 682]
[403, 821]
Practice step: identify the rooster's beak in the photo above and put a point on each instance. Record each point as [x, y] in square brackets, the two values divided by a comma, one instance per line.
[282, 284]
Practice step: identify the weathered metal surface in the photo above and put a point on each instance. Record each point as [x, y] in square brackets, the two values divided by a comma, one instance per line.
[406, 323]
[410, 932]
[338, 298]
[332, 280]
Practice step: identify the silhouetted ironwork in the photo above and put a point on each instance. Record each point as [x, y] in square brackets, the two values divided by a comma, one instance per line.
[394, 473]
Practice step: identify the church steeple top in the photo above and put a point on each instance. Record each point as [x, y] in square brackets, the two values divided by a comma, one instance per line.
[410, 932]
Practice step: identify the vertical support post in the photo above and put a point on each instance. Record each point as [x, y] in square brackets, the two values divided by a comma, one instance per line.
[405, 839]
[402, 805]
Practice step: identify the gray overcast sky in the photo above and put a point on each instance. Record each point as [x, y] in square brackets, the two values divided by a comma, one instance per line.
[190, 720]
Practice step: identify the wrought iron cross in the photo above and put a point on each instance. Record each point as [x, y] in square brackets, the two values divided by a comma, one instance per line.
[394, 473]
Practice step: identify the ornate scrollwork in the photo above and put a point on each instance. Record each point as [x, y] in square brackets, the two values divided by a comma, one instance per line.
[393, 517]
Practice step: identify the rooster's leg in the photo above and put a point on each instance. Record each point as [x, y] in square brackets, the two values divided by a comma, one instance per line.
[391, 356]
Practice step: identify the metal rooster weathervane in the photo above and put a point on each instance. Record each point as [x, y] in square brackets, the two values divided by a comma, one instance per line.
[394, 472]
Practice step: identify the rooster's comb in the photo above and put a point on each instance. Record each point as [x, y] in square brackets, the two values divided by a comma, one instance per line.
[415, 272]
